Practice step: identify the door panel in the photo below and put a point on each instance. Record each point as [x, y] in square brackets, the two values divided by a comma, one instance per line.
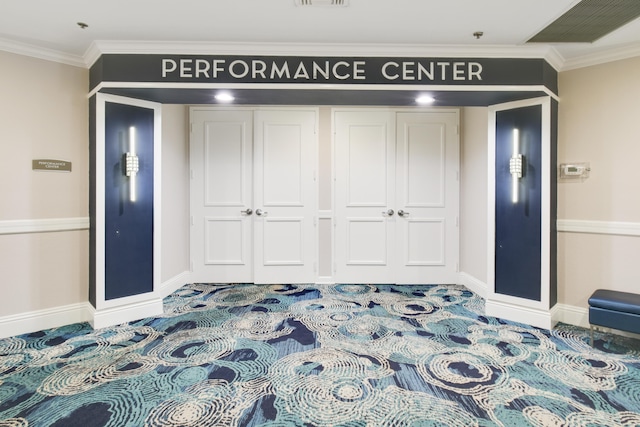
[221, 159]
[424, 243]
[225, 168]
[364, 183]
[283, 241]
[285, 191]
[282, 179]
[224, 242]
[427, 194]
[422, 151]
[367, 168]
[367, 242]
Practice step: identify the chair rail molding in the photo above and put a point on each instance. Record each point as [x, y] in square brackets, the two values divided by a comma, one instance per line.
[598, 227]
[47, 225]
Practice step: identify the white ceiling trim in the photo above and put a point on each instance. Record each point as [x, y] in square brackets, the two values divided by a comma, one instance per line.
[610, 55]
[41, 53]
[98, 48]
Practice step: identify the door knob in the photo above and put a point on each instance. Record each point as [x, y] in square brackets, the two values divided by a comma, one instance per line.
[402, 213]
[246, 212]
[260, 212]
[388, 213]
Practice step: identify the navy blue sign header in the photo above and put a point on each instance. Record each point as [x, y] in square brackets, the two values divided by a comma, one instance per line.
[322, 70]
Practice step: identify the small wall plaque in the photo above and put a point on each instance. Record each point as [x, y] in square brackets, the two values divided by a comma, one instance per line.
[51, 165]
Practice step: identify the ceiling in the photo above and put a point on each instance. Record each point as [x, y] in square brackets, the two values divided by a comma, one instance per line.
[363, 25]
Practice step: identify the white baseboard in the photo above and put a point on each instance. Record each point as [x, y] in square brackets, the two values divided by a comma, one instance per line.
[170, 286]
[39, 320]
[126, 313]
[571, 315]
[474, 285]
[517, 313]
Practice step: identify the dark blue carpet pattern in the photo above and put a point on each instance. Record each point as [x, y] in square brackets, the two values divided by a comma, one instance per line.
[318, 355]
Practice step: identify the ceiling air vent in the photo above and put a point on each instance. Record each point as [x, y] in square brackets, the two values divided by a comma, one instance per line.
[322, 2]
[588, 21]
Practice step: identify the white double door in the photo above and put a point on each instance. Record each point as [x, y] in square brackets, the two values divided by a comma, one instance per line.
[253, 195]
[396, 196]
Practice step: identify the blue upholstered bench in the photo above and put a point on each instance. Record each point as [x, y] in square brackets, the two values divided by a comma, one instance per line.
[615, 310]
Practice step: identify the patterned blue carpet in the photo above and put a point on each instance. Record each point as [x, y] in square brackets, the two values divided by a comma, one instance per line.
[319, 355]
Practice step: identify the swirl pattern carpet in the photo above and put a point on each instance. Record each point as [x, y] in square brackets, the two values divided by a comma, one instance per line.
[319, 355]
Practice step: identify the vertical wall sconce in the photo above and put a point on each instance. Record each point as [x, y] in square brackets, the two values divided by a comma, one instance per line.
[132, 164]
[515, 166]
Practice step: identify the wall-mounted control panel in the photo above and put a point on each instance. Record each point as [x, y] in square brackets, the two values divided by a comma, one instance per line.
[574, 170]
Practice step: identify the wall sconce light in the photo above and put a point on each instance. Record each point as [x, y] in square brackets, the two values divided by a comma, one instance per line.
[516, 168]
[132, 164]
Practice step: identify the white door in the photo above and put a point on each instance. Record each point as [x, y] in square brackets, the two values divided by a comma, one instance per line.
[221, 154]
[396, 196]
[285, 196]
[253, 195]
[427, 165]
[364, 149]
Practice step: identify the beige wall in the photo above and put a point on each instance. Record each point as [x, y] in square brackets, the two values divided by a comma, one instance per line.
[473, 192]
[175, 191]
[43, 114]
[599, 117]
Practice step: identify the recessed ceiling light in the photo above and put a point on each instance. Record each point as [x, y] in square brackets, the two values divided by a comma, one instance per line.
[425, 99]
[224, 97]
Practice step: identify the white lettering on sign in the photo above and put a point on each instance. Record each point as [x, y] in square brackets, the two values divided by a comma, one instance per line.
[313, 70]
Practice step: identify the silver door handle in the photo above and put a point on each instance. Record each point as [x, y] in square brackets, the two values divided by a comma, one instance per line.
[402, 213]
[388, 213]
[246, 212]
[260, 212]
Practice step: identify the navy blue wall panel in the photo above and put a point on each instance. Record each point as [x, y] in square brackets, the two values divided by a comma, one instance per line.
[128, 224]
[518, 225]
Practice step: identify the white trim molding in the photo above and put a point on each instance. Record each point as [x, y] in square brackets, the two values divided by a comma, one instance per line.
[126, 313]
[23, 226]
[540, 318]
[474, 285]
[598, 227]
[39, 320]
[170, 286]
[33, 51]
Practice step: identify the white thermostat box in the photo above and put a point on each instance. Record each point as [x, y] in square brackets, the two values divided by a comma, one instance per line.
[574, 170]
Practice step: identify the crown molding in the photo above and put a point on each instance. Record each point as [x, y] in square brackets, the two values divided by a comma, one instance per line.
[322, 49]
[100, 47]
[602, 57]
[26, 49]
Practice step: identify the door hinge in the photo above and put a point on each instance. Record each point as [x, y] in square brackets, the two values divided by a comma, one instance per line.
[335, 267]
[191, 127]
[457, 268]
[191, 266]
[457, 221]
[191, 219]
